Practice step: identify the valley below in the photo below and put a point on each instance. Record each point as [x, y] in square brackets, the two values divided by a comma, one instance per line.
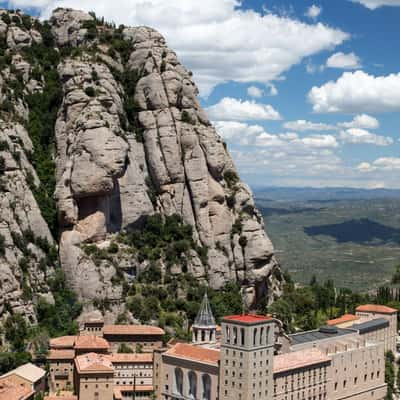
[351, 237]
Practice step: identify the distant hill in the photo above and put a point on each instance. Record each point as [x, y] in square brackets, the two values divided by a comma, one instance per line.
[322, 194]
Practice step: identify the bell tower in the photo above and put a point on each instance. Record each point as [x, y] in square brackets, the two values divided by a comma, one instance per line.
[247, 351]
[204, 327]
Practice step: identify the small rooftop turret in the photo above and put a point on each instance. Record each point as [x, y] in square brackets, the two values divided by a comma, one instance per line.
[204, 327]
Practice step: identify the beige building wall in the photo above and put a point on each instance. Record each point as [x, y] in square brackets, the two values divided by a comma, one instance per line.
[158, 372]
[147, 346]
[182, 378]
[61, 375]
[388, 335]
[124, 373]
[94, 386]
[93, 328]
[311, 382]
[205, 378]
[247, 352]
[358, 370]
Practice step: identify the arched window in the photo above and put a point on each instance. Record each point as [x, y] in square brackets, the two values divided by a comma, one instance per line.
[192, 384]
[254, 336]
[206, 380]
[234, 335]
[203, 336]
[261, 335]
[242, 336]
[228, 334]
[178, 389]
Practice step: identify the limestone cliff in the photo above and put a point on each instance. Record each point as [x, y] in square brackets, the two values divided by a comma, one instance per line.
[131, 140]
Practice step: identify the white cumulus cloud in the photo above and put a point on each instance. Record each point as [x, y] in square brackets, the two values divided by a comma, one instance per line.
[314, 11]
[362, 136]
[374, 4]
[343, 61]
[357, 92]
[365, 167]
[363, 121]
[237, 131]
[381, 164]
[254, 91]
[230, 109]
[387, 163]
[302, 125]
[320, 141]
[217, 40]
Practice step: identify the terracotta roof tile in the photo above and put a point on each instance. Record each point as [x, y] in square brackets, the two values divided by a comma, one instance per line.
[343, 319]
[298, 359]
[61, 397]
[248, 318]
[196, 353]
[91, 342]
[61, 354]
[131, 358]
[132, 330]
[92, 362]
[62, 342]
[10, 390]
[376, 308]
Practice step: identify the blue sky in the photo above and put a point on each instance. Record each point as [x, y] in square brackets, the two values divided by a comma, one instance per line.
[306, 93]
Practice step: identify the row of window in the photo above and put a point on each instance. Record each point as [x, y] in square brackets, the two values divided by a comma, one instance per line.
[355, 380]
[192, 389]
[237, 336]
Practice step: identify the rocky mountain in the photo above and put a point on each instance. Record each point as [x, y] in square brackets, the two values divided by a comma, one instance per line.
[101, 127]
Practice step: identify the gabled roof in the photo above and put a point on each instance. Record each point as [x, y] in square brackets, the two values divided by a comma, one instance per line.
[376, 308]
[55, 354]
[63, 342]
[299, 359]
[131, 357]
[93, 363]
[194, 353]
[205, 317]
[28, 371]
[88, 342]
[132, 330]
[343, 319]
[10, 390]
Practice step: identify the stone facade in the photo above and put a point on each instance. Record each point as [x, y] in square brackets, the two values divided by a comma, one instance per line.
[145, 338]
[327, 364]
[186, 371]
[61, 370]
[93, 377]
[308, 379]
[374, 311]
[247, 351]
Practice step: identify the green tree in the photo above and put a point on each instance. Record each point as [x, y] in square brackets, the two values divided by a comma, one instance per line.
[389, 373]
[9, 360]
[123, 348]
[59, 318]
[16, 331]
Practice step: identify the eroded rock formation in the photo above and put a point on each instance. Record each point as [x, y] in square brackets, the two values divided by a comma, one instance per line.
[131, 140]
